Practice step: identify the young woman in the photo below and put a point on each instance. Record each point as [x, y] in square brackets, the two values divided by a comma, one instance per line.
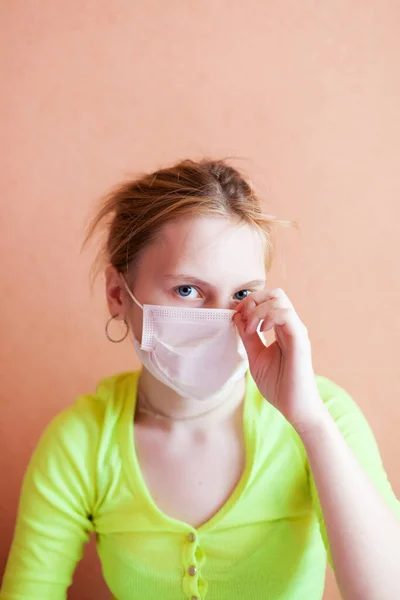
[224, 469]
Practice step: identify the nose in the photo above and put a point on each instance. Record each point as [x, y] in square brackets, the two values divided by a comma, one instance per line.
[221, 303]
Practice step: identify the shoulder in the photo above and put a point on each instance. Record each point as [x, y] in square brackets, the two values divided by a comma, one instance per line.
[359, 435]
[349, 419]
[343, 409]
[79, 426]
[335, 397]
[337, 400]
[108, 397]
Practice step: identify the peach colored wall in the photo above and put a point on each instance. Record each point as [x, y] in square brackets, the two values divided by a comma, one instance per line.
[307, 93]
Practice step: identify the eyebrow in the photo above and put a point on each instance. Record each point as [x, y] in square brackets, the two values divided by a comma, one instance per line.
[196, 280]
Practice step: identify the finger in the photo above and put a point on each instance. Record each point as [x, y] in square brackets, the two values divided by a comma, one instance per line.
[247, 305]
[262, 311]
[279, 316]
[267, 325]
[257, 298]
[267, 294]
[252, 342]
[240, 307]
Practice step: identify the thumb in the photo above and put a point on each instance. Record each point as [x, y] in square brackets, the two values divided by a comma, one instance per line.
[252, 341]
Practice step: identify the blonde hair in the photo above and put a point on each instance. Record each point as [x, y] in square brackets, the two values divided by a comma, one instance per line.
[135, 210]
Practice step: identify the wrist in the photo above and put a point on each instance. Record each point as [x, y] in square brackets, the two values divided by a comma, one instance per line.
[313, 422]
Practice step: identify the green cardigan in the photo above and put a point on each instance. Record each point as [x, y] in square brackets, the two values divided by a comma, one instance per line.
[267, 541]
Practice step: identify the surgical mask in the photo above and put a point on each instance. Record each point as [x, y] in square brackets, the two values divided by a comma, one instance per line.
[195, 351]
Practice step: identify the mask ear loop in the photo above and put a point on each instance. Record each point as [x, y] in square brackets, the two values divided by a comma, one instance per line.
[147, 338]
[130, 293]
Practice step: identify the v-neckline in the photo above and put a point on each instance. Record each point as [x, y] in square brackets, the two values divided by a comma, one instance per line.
[136, 478]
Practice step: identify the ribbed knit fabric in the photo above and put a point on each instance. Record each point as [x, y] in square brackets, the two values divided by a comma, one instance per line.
[265, 542]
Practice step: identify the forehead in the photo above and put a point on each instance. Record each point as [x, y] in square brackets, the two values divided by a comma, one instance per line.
[211, 248]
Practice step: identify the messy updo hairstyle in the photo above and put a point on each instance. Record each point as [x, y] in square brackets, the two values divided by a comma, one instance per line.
[133, 212]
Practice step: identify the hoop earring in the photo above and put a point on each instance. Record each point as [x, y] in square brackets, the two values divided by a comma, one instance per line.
[108, 335]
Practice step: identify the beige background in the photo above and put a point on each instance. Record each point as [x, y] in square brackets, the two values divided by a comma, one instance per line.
[306, 93]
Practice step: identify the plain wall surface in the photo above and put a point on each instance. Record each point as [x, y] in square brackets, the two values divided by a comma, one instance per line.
[305, 93]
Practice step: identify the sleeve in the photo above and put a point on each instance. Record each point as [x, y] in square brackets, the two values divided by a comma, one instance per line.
[54, 515]
[356, 431]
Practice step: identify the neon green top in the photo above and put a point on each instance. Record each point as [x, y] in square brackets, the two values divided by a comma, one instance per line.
[265, 542]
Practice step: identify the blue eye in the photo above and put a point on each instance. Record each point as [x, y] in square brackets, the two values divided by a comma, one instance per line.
[242, 294]
[185, 291]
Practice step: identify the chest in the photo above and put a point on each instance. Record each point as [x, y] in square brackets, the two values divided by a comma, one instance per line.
[190, 476]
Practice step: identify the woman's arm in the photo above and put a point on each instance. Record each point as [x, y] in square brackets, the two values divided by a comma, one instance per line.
[359, 510]
[363, 532]
[54, 513]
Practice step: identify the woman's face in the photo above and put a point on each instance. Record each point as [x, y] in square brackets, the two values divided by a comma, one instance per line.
[206, 262]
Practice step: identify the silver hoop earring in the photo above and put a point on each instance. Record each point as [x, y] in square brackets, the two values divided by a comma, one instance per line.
[108, 335]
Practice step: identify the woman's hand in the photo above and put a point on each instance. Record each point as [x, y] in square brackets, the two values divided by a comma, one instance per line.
[283, 371]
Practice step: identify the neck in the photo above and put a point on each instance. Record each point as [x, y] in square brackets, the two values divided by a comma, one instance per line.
[156, 400]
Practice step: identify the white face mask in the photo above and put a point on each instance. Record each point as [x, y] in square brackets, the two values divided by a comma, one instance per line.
[194, 351]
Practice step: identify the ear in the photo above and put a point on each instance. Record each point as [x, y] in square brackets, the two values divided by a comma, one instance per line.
[114, 293]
